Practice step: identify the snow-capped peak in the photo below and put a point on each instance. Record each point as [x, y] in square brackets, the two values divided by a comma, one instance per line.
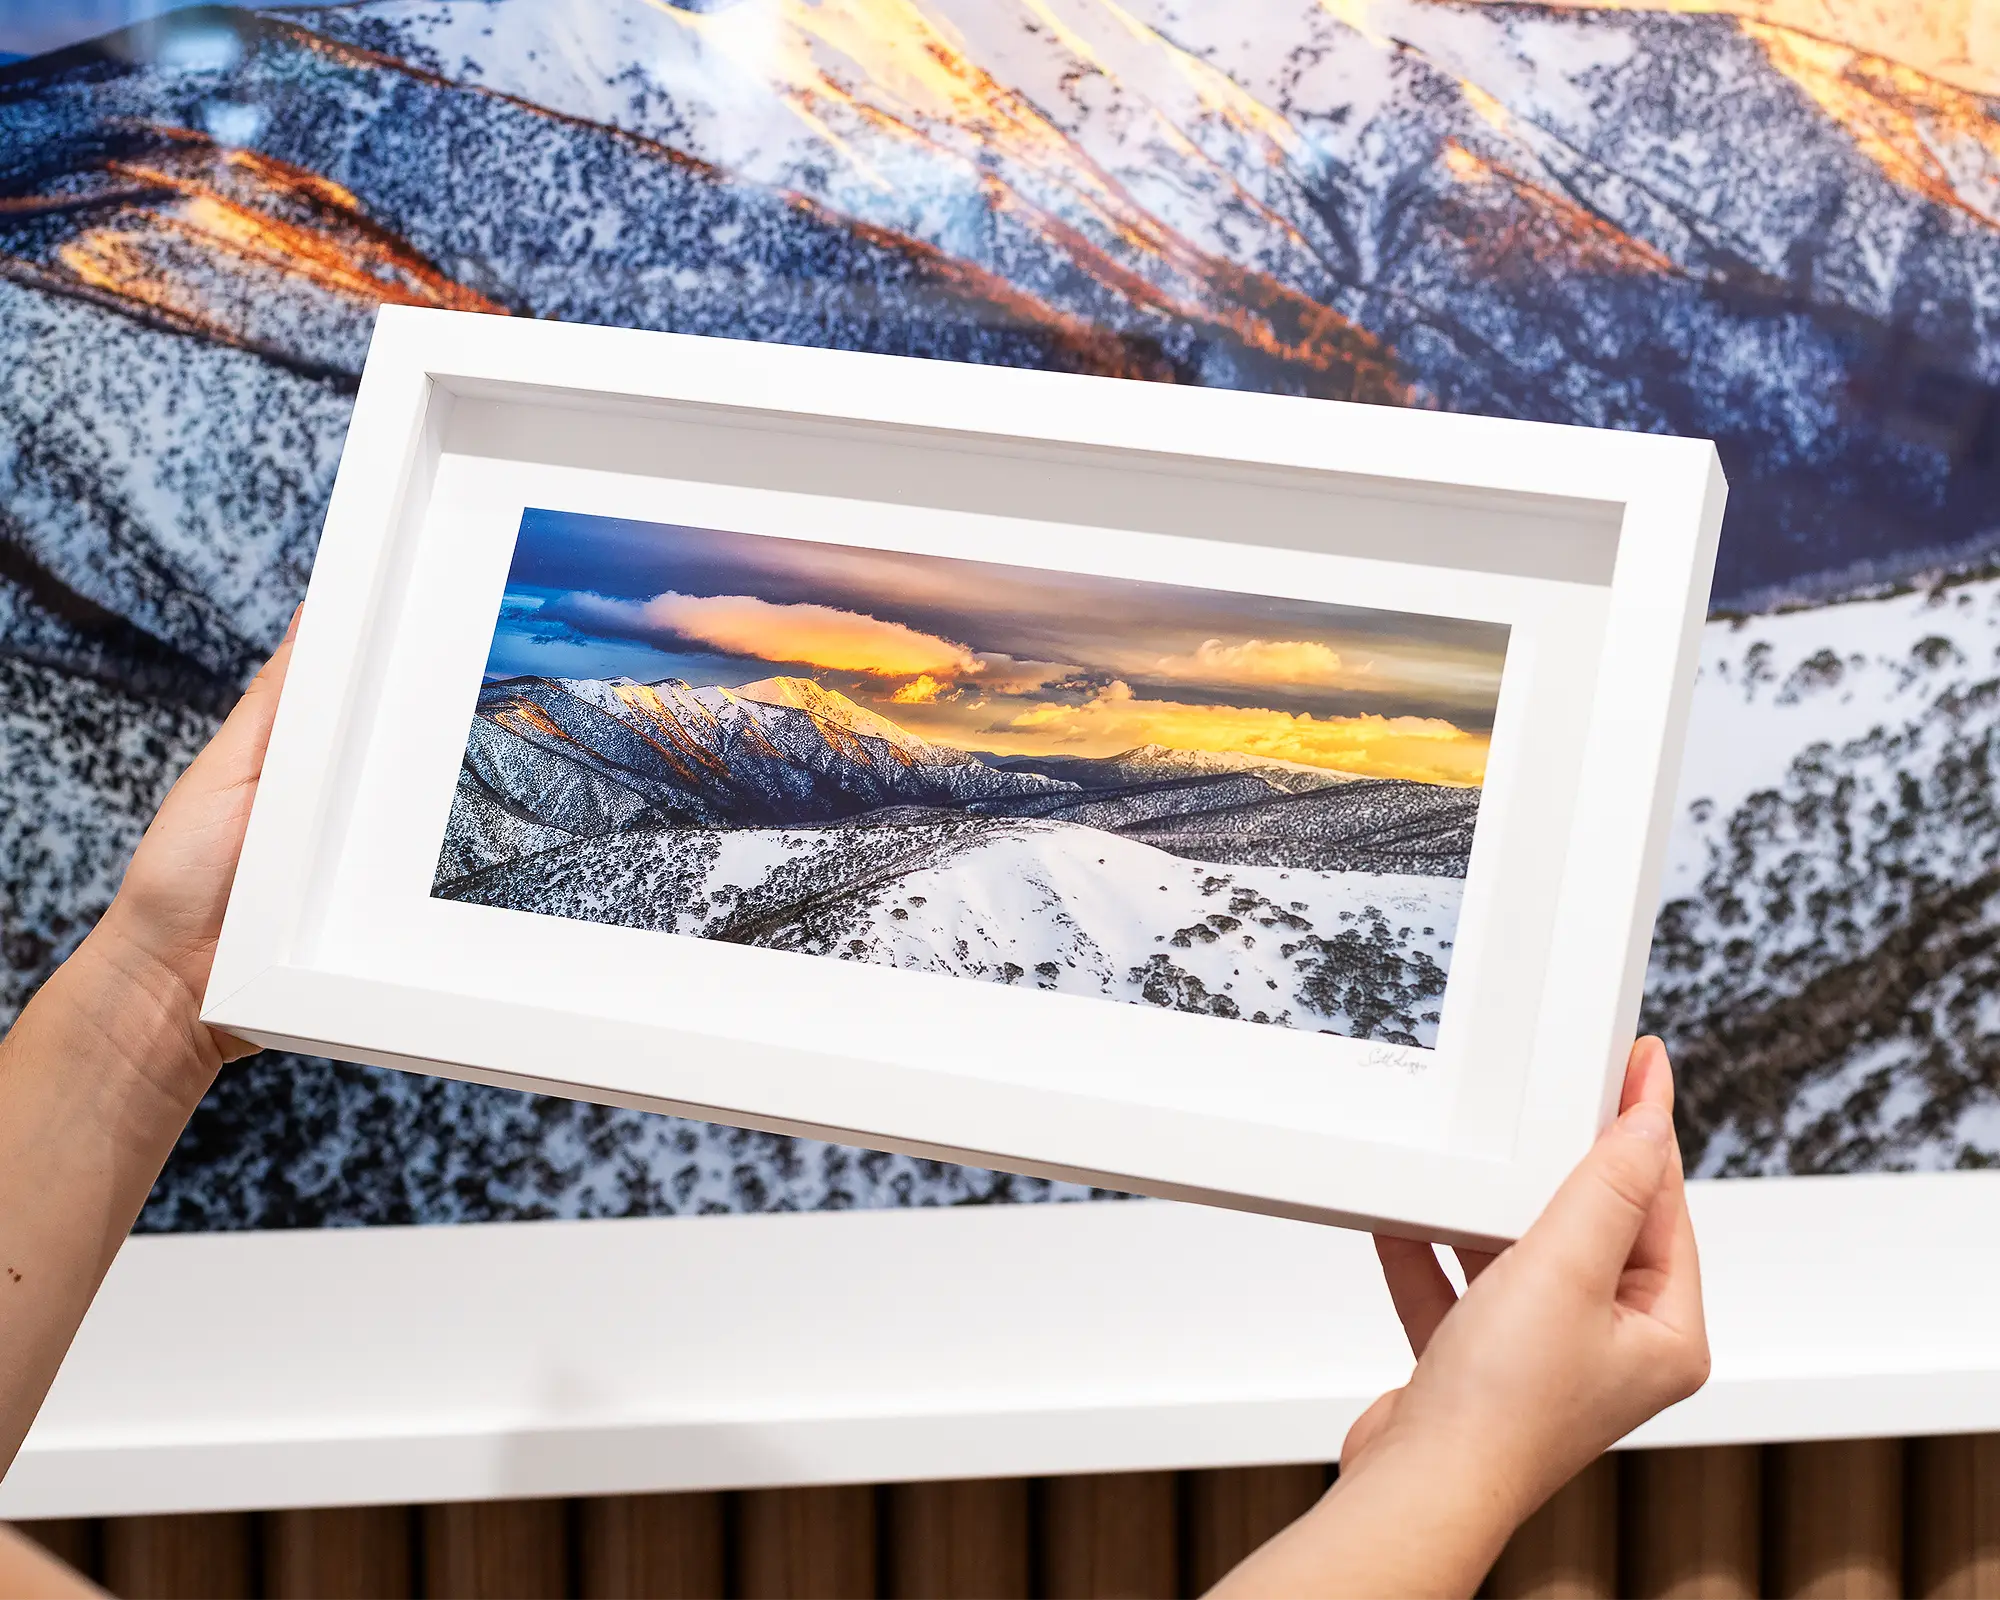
[831, 706]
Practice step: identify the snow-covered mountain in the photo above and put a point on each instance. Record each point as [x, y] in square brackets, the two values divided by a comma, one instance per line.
[1771, 222]
[1825, 964]
[783, 814]
[1643, 219]
[585, 757]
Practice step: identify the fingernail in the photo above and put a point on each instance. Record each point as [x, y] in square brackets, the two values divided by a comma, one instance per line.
[1647, 1121]
[292, 627]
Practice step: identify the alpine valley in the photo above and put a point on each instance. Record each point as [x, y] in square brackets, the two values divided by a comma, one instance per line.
[784, 815]
[1775, 223]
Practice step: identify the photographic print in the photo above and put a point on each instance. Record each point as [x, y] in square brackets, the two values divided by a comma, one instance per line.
[1234, 805]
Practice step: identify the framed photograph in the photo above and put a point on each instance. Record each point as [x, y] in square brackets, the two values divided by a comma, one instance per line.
[1220, 796]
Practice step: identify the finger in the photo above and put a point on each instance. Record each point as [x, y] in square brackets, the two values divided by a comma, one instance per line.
[1423, 1294]
[1647, 1075]
[1668, 1286]
[1474, 1262]
[1649, 1080]
[236, 754]
[1665, 1263]
[1594, 1220]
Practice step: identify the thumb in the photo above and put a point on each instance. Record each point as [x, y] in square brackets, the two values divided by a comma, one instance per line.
[236, 754]
[1594, 1220]
[1368, 1426]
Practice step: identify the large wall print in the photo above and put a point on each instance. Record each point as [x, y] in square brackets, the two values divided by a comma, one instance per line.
[1771, 222]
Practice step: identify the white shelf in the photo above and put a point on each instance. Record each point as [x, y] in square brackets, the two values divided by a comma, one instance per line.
[411, 1364]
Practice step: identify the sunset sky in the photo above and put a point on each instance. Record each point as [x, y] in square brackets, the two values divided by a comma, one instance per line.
[1013, 660]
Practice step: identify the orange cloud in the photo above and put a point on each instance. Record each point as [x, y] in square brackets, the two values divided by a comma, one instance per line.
[1254, 661]
[1428, 749]
[919, 691]
[743, 625]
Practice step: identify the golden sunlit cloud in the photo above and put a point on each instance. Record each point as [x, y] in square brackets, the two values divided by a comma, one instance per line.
[919, 691]
[1427, 749]
[1255, 661]
[743, 625]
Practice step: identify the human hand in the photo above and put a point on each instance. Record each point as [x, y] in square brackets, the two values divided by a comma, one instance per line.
[1568, 1340]
[159, 935]
[1560, 1345]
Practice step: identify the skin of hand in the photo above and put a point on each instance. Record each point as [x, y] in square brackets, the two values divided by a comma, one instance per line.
[105, 1065]
[28, 1572]
[1560, 1346]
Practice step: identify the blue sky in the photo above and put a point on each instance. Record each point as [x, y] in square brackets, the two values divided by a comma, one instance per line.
[28, 27]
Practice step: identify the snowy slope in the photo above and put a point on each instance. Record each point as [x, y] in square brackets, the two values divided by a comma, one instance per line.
[1828, 945]
[1038, 904]
[1367, 191]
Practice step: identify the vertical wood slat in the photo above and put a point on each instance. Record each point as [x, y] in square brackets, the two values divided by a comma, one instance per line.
[342, 1553]
[206, 1556]
[1568, 1550]
[652, 1547]
[1820, 1519]
[965, 1540]
[1231, 1511]
[1833, 1520]
[1689, 1523]
[496, 1550]
[806, 1544]
[1952, 1517]
[71, 1540]
[1110, 1536]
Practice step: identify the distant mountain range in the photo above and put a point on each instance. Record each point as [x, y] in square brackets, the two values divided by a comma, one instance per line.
[1150, 762]
[549, 761]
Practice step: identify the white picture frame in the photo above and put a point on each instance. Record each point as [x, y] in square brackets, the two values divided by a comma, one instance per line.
[1594, 547]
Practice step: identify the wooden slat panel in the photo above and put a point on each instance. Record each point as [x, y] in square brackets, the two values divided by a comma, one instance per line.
[965, 1540]
[1568, 1550]
[346, 1553]
[1953, 1517]
[206, 1557]
[806, 1544]
[1833, 1525]
[652, 1547]
[1689, 1522]
[1110, 1536]
[496, 1550]
[72, 1540]
[1232, 1511]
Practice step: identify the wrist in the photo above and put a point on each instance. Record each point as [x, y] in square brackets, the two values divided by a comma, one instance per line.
[1454, 1497]
[129, 1032]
